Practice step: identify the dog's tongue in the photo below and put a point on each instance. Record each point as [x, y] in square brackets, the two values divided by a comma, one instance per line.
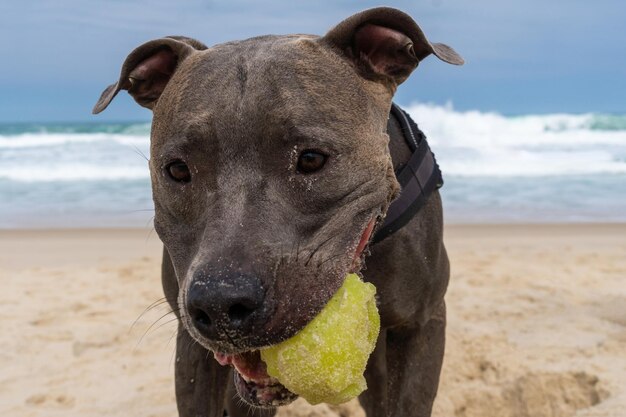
[248, 364]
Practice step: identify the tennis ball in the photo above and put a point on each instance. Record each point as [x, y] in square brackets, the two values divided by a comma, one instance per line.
[326, 360]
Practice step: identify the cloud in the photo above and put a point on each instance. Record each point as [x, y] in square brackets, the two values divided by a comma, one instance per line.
[80, 43]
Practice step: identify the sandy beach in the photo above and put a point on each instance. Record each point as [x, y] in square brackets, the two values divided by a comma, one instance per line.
[537, 324]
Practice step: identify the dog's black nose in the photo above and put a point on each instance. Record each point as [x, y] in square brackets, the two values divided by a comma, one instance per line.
[223, 304]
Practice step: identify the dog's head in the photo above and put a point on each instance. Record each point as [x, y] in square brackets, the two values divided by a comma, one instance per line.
[270, 166]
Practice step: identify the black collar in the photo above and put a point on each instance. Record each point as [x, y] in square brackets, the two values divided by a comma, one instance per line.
[418, 178]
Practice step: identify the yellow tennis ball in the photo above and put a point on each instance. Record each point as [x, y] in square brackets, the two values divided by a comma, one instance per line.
[326, 360]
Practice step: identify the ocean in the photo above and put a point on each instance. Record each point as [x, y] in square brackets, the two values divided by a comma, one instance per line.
[533, 168]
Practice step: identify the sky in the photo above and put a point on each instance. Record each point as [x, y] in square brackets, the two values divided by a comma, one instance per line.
[523, 56]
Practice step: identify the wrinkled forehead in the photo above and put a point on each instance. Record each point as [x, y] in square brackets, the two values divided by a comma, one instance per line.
[270, 83]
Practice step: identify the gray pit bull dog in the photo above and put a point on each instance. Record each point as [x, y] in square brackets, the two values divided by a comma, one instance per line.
[272, 160]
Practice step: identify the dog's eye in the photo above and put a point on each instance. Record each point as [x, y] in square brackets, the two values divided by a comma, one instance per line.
[179, 171]
[310, 161]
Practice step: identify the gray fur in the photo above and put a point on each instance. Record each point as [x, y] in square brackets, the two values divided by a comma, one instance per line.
[239, 114]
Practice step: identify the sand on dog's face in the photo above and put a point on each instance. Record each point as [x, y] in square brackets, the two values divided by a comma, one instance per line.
[536, 325]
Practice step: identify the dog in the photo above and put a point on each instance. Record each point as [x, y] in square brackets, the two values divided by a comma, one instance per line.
[273, 162]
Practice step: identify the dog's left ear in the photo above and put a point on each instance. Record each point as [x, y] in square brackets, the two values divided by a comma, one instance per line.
[385, 42]
[147, 70]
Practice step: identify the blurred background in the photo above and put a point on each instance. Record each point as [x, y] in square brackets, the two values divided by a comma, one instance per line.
[531, 129]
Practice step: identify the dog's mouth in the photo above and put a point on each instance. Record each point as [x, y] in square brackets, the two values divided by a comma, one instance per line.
[254, 385]
[252, 382]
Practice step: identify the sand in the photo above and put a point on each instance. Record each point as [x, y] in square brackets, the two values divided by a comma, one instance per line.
[537, 324]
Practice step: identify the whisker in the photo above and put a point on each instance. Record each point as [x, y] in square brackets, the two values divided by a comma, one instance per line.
[329, 259]
[138, 152]
[318, 248]
[140, 210]
[155, 304]
[190, 345]
[151, 229]
[169, 340]
[151, 326]
[164, 324]
[150, 220]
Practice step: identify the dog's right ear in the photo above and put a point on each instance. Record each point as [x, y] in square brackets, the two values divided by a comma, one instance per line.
[148, 69]
[386, 44]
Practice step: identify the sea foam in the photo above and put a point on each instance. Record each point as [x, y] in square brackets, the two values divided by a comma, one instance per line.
[555, 167]
[467, 144]
[491, 145]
